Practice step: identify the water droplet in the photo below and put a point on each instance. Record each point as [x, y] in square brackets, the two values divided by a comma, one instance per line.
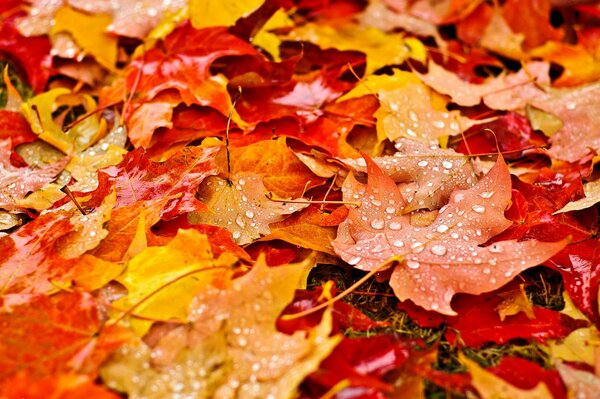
[486, 270]
[486, 194]
[398, 243]
[377, 224]
[439, 124]
[422, 163]
[447, 164]
[571, 105]
[442, 228]
[354, 260]
[395, 226]
[239, 221]
[478, 208]
[438, 250]
[435, 306]
[412, 264]
[241, 182]
[417, 247]
[390, 209]
[236, 235]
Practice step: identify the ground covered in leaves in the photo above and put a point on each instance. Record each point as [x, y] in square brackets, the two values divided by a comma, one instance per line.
[299, 199]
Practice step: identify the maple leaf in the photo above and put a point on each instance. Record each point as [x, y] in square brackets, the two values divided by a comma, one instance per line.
[43, 335]
[88, 31]
[155, 267]
[16, 183]
[525, 374]
[407, 112]
[504, 92]
[232, 348]
[380, 49]
[182, 63]
[443, 258]
[32, 52]
[139, 179]
[592, 197]
[427, 175]
[241, 206]
[282, 172]
[62, 386]
[489, 386]
[581, 384]
[30, 260]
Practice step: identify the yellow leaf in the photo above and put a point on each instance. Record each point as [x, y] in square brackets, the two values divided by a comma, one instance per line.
[89, 31]
[544, 121]
[380, 48]
[205, 13]
[515, 301]
[38, 112]
[592, 197]
[373, 84]
[579, 346]
[156, 272]
[92, 273]
[491, 387]
[43, 198]
[269, 41]
[231, 347]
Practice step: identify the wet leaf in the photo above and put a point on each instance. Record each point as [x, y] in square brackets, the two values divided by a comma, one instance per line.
[443, 258]
[241, 206]
[232, 348]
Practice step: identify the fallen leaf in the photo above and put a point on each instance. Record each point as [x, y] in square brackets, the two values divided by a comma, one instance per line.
[137, 178]
[515, 302]
[89, 33]
[490, 386]
[241, 206]
[16, 183]
[44, 335]
[427, 176]
[380, 49]
[581, 384]
[154, 277]
[282, 173]
[444, 258]
[220, 13]
[63, 386]
[228, 351]
[30, 261]
[592, 197]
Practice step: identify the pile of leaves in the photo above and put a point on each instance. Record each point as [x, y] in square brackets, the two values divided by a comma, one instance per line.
[299, 199]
